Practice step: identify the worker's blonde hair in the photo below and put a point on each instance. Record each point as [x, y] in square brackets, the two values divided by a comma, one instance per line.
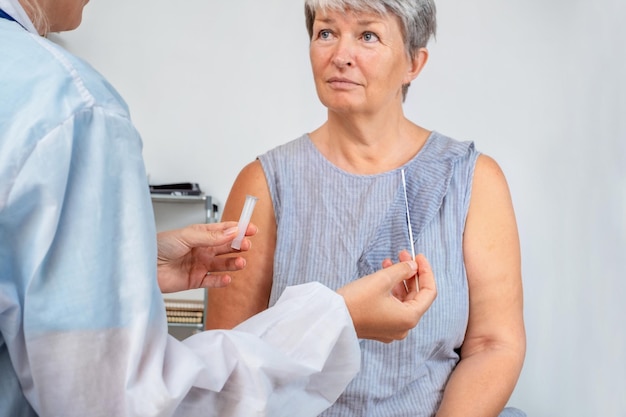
[37, 15]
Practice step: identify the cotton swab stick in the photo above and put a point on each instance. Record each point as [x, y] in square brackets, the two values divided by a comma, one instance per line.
[408, 215]
[408, 221]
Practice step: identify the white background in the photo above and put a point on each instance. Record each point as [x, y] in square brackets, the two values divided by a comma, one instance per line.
[537, 84]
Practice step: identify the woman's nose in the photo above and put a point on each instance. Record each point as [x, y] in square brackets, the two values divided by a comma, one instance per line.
[341, 61]
[343, 56]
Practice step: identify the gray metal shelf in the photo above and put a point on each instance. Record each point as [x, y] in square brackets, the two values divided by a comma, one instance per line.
[182, 330]
[209, 207]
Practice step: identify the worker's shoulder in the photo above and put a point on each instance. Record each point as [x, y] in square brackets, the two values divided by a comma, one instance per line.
[43, 87]
[35, 68]
[82, 81]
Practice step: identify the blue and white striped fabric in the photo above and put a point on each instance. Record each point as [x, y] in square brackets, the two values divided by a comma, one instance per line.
[334, 226]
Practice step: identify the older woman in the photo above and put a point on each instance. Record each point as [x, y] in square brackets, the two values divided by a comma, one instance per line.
[334, 200]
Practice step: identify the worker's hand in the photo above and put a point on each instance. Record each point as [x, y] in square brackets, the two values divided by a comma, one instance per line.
[189, 258]
[404, 288]
[380, 315]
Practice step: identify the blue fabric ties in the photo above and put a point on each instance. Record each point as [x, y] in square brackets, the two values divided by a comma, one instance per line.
[4, 15]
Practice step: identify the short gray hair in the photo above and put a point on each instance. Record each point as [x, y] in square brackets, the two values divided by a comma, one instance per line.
[418, 19]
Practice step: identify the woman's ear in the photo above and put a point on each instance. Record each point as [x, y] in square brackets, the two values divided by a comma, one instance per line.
[416, 65]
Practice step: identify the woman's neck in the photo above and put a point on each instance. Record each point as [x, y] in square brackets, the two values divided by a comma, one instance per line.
[366, 145]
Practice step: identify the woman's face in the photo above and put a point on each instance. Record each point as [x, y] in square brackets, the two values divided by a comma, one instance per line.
[359, 61]
[64, 14]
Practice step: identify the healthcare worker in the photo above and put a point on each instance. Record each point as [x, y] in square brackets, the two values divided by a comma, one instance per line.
[82, 323]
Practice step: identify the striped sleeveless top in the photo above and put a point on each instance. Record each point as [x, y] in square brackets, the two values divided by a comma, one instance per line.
[334, 227]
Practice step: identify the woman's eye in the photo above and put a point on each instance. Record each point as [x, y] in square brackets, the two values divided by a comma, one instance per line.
[324, 34]
[370, 37]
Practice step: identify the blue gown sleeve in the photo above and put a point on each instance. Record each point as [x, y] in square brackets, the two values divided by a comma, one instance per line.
[82, 319]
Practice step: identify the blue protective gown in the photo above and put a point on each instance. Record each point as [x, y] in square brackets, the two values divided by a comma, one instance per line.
[82, 322]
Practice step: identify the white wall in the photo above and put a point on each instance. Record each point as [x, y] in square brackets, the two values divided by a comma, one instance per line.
[538, 84]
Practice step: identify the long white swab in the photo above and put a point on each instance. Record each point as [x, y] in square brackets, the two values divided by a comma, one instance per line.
[408, 215]
[408, 221]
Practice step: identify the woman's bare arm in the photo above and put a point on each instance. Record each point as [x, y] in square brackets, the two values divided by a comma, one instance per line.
[249, 290]
[494, 347]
